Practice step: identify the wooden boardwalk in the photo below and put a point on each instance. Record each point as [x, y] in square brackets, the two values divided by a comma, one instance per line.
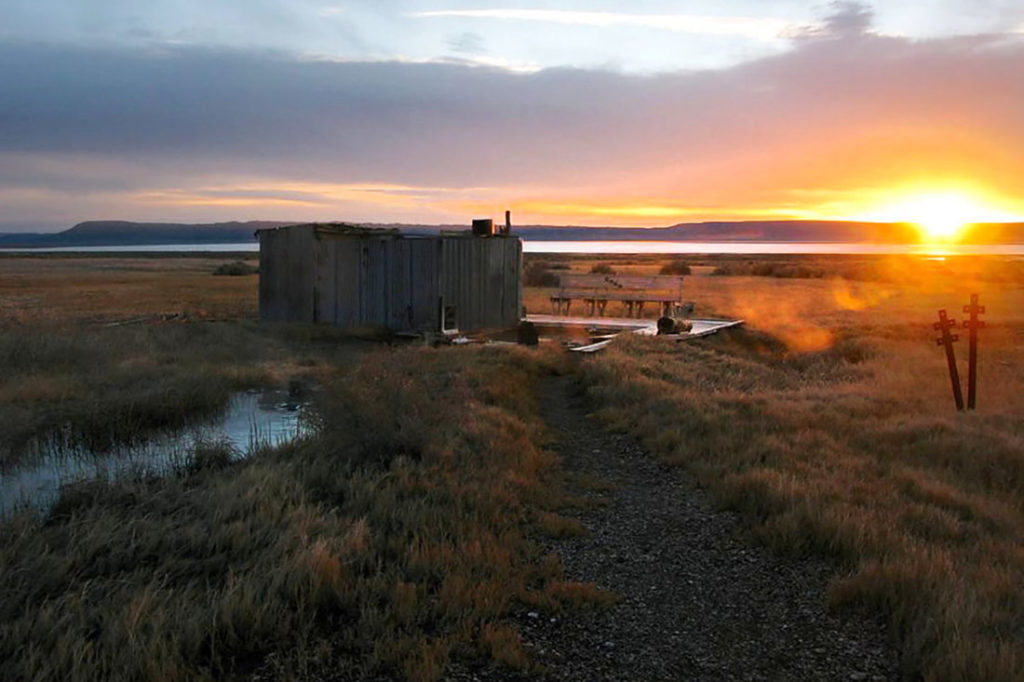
[613, 326]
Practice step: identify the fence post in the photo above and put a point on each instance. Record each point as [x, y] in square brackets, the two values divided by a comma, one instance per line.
[944, 325]
[973, 324]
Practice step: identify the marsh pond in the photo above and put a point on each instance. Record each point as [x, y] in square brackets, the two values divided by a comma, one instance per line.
[253, 420]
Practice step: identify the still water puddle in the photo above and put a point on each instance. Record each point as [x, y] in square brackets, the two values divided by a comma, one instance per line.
[253, 420]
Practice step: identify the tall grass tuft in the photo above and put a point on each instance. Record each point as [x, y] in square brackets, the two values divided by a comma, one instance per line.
[397, 538]
[853, 453]
[97, 387]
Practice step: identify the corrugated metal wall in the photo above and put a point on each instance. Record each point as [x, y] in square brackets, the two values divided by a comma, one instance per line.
[389, 281]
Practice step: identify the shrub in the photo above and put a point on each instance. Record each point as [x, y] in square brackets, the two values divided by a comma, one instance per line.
[725, 270]
[537, 275]
[211, 456]
[235, 268]
[676, 267]
[768, 269]
[602, 269]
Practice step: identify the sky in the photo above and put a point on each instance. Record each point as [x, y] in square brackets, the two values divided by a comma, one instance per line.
[434, 111]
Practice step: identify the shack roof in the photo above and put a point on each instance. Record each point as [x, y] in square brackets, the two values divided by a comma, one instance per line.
[340, 229]
[352, 230]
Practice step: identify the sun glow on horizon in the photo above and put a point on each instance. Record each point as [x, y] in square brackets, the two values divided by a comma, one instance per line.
[941, 216]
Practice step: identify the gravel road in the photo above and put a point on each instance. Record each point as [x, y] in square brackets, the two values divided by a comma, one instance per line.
[698, 599]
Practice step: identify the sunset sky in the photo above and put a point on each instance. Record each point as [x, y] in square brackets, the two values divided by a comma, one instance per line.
[595, 113]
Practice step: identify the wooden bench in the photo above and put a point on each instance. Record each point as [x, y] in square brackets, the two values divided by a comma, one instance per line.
[632, 290]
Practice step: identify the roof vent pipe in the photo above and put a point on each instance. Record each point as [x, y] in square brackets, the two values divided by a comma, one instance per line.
[483, 227]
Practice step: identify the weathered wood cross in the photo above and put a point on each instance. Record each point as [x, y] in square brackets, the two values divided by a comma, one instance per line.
[973, 324]
[943, 326]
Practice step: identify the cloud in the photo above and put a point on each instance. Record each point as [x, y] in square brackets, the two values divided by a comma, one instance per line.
[849, 18]
[93, 132]
[751, 27]
[466, 43]
[330, 11]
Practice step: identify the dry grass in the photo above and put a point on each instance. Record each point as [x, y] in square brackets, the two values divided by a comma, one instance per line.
[398, 537]
[71, 379]
[405, 532]
[840, 284]
[394, 540]
[48, 288]
[829, 424]
[72, 386]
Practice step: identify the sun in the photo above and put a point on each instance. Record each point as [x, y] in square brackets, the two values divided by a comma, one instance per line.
[940, 216]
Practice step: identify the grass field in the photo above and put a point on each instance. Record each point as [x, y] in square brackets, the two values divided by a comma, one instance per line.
[74, 289]
[98, 351]
[404, 534]
[829, 424]
[398, 538]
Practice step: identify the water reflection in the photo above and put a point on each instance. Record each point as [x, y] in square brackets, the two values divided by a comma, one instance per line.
[253, 420]
[769, 248]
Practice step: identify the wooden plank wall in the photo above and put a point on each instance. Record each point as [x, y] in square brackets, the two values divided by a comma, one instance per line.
[347, 255]
[271, 288]
[384, 281]
[481, 277]
[372, 282]
[286, 275]
[301, 275]
[424, 285]
[325, 289]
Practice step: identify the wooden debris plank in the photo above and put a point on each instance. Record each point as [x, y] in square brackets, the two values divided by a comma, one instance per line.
[701, 327]
[545, 320]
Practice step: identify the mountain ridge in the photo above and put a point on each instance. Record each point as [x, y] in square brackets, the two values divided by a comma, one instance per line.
[129, 233]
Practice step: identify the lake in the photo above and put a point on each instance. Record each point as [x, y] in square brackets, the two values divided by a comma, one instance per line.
[618, 247]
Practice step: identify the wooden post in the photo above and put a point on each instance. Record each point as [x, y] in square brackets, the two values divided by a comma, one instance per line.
[943, 326]
[973, 324]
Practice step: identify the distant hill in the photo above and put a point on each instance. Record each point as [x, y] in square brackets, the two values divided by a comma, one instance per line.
[994, 233]
[745, 231]
[752, 231]
[124, 233]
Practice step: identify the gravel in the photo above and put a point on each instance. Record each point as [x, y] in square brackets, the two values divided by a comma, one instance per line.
[698, 599]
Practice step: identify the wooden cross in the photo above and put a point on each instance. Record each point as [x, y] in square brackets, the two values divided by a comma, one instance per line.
[973, 325]
[943, 326]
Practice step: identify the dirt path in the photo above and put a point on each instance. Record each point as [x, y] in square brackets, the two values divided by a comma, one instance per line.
[698, 600]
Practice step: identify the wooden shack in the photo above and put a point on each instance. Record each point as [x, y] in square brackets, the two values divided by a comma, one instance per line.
[355, 277]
